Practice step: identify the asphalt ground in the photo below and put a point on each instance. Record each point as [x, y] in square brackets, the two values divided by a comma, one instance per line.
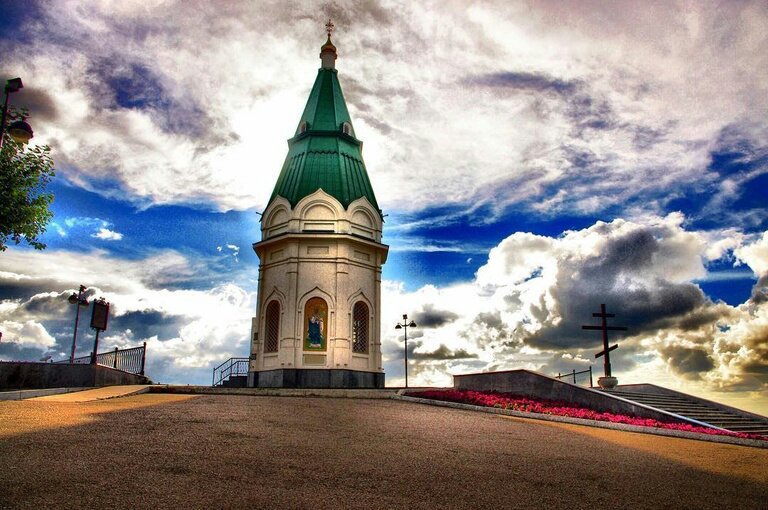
[220, 451]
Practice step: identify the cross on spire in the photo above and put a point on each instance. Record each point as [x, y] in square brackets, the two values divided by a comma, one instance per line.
[330, 27]
[604, 327]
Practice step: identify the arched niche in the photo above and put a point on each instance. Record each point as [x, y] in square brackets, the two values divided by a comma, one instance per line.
[316, 322]
[319, 212]
[276, 218]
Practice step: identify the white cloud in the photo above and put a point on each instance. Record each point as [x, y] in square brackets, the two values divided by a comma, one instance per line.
[200, 327]
[108, 235]
[755, 255]
[526, 305]
[514, 98]
[26, 334]
[101, 228]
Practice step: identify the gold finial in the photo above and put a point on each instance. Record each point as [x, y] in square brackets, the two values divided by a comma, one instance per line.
[329, 27]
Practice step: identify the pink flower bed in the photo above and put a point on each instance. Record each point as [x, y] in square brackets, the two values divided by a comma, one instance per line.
[527, 405]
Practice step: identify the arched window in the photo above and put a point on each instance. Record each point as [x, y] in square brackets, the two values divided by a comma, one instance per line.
[303, 127]
[360, 328]
[346, 128]
[272, 338]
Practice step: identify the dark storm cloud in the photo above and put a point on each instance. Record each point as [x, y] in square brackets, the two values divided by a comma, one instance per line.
[491, 320]
[429, 317]
[146, 324]
[413, 334]
[699, 318]
[516, 80]
[14, 351]
[513, 300]
[607, 278]
[119, 84]
[645, 137]
[360, 94]
[40, 303]
[44, 306]
[583, 109]
[587, 112]
[444, 353]
[22, 289]
[687, 362]
[37, 102]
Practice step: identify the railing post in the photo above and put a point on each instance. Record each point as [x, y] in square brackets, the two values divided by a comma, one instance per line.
[590, 376]
[143, 358]
[574, 376]
[114, 364]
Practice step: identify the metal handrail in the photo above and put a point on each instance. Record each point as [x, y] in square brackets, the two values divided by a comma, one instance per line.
[130, 360]
[230, 368]
[574, 373]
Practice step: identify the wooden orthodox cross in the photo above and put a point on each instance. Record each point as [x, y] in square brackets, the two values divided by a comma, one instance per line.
[604, 327]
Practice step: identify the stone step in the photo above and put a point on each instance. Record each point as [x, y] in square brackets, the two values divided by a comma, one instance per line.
[724, 419]
[699, 411]
[751, 426]
[704, 412]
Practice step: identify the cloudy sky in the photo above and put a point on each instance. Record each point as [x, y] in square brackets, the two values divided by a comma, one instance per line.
[535, 159]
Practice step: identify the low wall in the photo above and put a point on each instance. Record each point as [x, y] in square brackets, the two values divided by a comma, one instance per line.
[315, 378]
[20, 375]
[531, 384]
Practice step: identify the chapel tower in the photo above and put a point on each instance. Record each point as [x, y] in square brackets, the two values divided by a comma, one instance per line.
[318, 322]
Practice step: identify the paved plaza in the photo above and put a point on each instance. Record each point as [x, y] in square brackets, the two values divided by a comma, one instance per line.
[219, 451]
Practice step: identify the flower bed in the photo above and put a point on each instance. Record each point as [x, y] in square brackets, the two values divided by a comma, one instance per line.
[541, 406]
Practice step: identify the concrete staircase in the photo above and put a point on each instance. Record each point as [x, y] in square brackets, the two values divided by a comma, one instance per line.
[698, 409]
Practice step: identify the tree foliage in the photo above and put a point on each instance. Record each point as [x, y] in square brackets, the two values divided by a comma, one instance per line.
[24, 204]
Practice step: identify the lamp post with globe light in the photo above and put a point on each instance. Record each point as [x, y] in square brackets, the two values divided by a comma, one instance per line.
[79, 300]
[404, 326]
[19, 130]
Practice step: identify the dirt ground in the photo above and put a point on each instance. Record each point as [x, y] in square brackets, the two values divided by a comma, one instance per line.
[172, 451]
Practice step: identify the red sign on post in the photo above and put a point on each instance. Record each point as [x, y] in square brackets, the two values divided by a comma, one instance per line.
[100, 315]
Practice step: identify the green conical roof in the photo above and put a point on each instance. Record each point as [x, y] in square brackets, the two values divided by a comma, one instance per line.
[321, 154]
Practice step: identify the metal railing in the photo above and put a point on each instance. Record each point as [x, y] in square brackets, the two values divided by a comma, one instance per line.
[230, 368]
[128, 360]
[574, 373]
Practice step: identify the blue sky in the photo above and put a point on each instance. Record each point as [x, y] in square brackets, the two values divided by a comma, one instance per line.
[533, 161]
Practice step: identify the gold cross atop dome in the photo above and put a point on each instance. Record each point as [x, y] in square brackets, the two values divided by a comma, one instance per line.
[328, 50]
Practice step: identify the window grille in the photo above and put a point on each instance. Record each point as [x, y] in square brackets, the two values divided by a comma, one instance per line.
[271, 339]
[360, 328]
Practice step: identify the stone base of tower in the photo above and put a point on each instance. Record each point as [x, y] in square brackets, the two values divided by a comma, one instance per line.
[315, 378]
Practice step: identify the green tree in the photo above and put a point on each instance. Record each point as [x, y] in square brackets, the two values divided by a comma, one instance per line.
[24, 204]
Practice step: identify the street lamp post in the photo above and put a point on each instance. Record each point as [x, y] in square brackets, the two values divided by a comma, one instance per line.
[19, 130]
[78, 300]
[404, 326]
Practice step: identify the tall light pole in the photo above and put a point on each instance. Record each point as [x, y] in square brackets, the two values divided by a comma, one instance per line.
[19, 130]
[78, 300]
[404, 326]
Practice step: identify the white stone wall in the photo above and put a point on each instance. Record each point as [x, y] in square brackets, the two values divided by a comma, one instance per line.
[319, 249]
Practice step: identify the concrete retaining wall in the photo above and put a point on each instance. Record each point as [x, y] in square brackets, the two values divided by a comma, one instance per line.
[20, 375]
[532, 384]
